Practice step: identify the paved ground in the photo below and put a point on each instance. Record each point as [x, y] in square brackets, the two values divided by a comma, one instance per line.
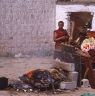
[15, 67]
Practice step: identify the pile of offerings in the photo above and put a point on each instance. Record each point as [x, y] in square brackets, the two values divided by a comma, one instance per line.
[41, 79]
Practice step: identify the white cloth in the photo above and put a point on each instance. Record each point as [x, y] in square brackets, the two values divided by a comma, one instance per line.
[88, 44]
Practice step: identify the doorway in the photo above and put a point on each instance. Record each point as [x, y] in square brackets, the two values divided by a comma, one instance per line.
[78, 22]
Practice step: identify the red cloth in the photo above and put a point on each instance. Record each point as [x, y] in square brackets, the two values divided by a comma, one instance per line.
[92, 54]
[60, 33]
[91, 33]
[29, 74]
[90, 74]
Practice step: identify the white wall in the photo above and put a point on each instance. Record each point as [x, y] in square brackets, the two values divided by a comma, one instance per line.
[62, 11]
[27, 26]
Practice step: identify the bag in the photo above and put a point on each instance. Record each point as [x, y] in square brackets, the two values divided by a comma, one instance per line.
[3, 83]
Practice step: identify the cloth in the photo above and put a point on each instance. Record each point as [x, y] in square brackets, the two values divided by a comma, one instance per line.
[88, 44]
[88, 94]
[60, 33]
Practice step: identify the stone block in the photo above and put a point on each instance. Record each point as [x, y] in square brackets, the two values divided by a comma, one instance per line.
[68, 85]
[64, 65]
[73, 76]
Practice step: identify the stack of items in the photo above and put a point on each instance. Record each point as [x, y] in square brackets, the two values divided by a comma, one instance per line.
[68, 64]
[42, 79]
[71, 83]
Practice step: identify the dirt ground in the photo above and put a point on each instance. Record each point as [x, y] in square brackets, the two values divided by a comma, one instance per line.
[12, 68]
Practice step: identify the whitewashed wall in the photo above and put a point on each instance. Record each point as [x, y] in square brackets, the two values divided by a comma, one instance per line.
[62, 11]
[26, 26]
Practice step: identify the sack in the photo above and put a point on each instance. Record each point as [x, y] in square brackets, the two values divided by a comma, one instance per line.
[3, 83]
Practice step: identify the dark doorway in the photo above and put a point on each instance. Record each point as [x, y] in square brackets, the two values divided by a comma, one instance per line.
[79, 21]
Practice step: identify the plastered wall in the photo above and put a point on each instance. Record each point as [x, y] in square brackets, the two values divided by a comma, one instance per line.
[26, 26]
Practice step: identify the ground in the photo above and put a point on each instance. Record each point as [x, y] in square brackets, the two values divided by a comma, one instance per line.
[12, 68]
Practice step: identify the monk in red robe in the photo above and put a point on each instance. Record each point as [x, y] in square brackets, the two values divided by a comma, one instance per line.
[60, 36]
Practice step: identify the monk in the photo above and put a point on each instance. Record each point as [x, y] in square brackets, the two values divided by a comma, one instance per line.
[60, 36]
